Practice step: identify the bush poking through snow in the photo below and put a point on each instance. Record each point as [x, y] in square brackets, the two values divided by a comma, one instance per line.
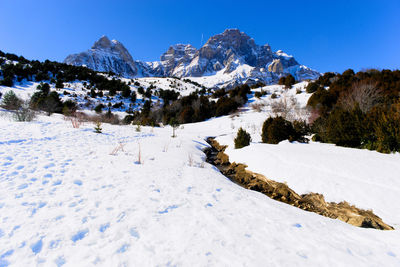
[190, 159]
[138, 128]
[24, 113]
[140, 159]
[175, 125]
[242, 139]
[97, 128]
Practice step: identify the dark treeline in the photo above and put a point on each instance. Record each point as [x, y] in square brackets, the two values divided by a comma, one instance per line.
[192, 108]
[359, 110]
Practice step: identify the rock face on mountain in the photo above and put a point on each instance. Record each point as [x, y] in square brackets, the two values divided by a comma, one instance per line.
[106, 55]
[229, 58]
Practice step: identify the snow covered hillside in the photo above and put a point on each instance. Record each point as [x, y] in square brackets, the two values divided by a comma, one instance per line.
[67, 200]
[79, 92]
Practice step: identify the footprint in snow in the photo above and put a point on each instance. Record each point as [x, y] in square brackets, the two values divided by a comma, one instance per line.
[58, 182]
[37, 247]
[49, 165]
[80, 235]
[123, 248]
[78, 182]
[168, 209]
[6, 254]
[60, 261]
[134, 233]
[22, 186]
[104, 227]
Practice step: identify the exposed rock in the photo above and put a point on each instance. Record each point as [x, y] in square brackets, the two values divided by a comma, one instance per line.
[276, 66]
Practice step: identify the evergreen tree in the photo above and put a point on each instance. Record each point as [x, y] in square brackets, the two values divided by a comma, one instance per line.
[242, 139]
[11, 101]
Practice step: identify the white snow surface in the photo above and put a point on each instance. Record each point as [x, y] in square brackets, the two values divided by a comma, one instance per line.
[65, 201]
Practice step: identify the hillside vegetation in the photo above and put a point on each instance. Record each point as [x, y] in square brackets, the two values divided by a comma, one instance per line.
[360, 110]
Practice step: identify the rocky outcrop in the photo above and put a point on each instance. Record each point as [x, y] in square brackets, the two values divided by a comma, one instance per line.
[275, 66]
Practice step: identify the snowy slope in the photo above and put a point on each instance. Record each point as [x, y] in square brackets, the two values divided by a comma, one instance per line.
[65, 201]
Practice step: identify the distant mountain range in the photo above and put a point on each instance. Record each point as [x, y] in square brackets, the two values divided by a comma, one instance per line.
[226, 59]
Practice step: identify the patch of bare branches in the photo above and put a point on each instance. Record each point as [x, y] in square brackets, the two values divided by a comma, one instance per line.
[76, 118]
[119, 147]
[258, 106]
[365, 93]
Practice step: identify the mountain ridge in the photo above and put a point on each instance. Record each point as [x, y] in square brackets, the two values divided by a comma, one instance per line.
[228, 58]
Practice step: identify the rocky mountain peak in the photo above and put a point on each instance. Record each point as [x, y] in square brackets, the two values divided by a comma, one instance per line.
[106, 55]
[102, 43]
[231, 54]
[231, 39]
[178, 51]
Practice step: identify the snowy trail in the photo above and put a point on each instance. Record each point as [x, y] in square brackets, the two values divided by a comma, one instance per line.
[65, 201]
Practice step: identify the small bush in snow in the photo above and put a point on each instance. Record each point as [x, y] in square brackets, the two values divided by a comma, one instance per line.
[242, 139]
[97, 128]
[24, 113]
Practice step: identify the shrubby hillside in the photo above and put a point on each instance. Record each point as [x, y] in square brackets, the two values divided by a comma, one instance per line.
[359, 110]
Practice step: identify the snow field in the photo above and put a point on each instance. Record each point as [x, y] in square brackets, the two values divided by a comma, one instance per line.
[65, 201]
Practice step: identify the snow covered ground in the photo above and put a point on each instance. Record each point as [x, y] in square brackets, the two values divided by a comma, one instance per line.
[65, 201]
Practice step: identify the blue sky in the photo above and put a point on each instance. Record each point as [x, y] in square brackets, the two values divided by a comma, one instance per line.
[324, 35]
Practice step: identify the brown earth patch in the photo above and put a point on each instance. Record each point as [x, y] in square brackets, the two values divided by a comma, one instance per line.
[312, 202]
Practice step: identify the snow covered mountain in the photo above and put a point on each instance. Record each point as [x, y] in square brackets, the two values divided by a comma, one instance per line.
[106, 55]
[227, 59]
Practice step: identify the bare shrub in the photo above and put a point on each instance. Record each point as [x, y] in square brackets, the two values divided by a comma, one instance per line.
[165, 148]
[283, 107]
[119, 147]
[103, 118]
[140, 159]
[258, 106]
[190, 160]
[313, 115]
[76, 118]
[202, 164]
[289, 109]
[24, 113]
[365, 93]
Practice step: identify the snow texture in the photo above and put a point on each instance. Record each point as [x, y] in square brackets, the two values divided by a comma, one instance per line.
[65, 201]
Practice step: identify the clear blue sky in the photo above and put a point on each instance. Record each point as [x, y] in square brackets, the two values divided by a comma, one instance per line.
[324, 35]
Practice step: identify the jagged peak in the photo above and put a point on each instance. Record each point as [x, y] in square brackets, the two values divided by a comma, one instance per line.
[232, 31]
[102, 43]
[181, 46]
